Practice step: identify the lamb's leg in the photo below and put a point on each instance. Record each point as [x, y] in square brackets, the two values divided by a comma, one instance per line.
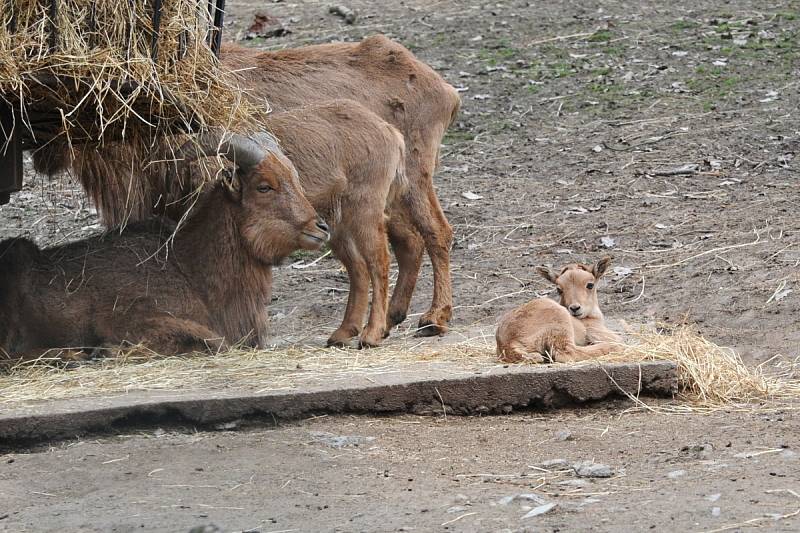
[408, 248]
[516, 352]
[373, 248]
[571, 352]
[358, 298]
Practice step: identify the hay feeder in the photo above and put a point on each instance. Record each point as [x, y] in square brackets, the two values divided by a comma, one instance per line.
[90, 71]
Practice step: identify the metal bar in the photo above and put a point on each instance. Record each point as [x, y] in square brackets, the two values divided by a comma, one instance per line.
[53, 24]
[156, 28]
[10, 154]
[11, 23]
[210, 18]
[219, 18]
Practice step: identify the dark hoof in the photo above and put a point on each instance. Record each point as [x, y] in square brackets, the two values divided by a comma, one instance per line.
[332, 343]
[430, 329]
[396, 318]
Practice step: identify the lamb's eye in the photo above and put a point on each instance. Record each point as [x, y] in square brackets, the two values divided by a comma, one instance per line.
[590, 286]
[263, 188]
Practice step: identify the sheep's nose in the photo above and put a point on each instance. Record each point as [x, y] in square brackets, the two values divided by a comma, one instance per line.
[575, 308]
[322, 225]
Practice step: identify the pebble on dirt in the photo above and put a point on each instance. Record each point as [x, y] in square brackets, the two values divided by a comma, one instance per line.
[542, 509]
[339, 441]
[345, 12]
[591, 469]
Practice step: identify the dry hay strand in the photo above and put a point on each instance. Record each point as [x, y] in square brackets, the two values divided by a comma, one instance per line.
[711, 376]
[94, 69]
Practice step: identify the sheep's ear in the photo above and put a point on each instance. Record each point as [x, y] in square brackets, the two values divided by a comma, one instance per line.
[233, 185]
[601, 266]
[547, 273]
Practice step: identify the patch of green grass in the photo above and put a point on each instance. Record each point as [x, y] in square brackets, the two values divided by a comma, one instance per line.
[682, 25]
[788, 15]
[602, 71]
[601, 36]
[458, 136]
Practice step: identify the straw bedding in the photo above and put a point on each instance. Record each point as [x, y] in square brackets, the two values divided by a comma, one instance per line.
[710, 376]
[101, 70]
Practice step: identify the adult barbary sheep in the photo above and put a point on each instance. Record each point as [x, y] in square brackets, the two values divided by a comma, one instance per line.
[387, 79]
[572, 330]
[206, 286]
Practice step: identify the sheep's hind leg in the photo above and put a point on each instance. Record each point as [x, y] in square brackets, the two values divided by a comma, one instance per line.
[167, 335]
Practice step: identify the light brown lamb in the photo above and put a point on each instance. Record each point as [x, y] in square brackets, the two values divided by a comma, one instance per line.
[571, 330]
[350, 164]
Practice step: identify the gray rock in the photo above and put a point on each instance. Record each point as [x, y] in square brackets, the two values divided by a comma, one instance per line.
[542, 509]
[574, 482]
[716, 511]
[676, 474]
[339, 441]
[457, 509]
[563, 435]
[713, 497]
[553, 464]
[591, 469]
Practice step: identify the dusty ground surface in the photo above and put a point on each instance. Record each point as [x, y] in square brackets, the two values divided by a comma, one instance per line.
[575, 116]
[668, 473]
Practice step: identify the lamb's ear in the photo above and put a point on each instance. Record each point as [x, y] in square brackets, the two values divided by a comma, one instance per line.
[547, 273]
[601, 266]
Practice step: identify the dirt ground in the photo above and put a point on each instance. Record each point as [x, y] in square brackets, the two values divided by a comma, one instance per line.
[577, 120]
[668, 473]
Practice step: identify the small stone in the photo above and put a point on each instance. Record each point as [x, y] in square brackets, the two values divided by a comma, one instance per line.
[574, 482]
[713, 497]
[554, 463]
[457, 509]
[563, 435]
[788, 454]
[590, 469]
[542, 509]
[529, 497]
[676, 474]
[462, 498]
[715, 512]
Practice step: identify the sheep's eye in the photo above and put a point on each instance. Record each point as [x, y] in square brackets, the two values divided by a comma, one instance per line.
[263, 188]
[590, 285]
[559, 290]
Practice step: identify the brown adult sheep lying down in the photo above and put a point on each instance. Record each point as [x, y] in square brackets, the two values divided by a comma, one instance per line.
[206, 288]
[572, 329]
[387, 79]
[351, 167]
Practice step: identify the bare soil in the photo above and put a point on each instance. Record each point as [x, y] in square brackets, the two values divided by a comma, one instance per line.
[669, 473]
[575, 117]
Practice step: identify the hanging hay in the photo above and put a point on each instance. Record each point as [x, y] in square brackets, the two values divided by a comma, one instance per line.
[710, 376]
[91, 71]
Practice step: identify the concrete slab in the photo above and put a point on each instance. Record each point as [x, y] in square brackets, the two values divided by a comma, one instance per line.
[499, 390]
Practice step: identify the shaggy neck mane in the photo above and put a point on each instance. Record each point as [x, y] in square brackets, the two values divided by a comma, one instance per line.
[236, 285]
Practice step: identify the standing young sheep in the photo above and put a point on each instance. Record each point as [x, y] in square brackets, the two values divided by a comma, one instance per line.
[572, 330]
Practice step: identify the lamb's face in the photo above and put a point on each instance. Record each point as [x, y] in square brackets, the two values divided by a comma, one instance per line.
[577, 290]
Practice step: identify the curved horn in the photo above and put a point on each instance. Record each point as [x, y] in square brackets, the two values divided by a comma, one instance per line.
[245, 152]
